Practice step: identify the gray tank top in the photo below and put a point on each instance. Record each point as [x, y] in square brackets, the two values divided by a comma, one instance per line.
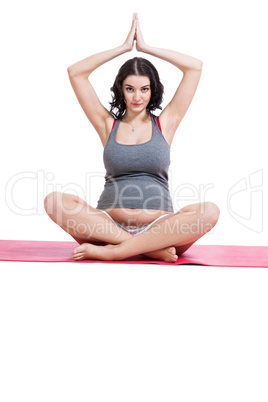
[136, 175]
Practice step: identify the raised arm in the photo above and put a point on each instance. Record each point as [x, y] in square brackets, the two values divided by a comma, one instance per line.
[191, 68]
[79, 74]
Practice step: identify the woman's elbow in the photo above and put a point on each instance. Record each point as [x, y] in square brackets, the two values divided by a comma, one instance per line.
[199, 65]
[70, 71]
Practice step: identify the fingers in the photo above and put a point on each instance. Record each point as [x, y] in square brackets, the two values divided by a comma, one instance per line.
[133, 26]
[138, 29]
[136, 23]
[133, 21]
[135, 34]
[129, 42]
[140, 44]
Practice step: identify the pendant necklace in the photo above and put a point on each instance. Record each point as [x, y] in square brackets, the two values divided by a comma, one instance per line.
[133, 127]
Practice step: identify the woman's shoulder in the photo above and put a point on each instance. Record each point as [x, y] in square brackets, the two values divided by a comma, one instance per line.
[157, 121]
[115, 120]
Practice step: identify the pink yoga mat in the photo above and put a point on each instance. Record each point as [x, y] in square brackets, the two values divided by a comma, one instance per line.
[212, 255]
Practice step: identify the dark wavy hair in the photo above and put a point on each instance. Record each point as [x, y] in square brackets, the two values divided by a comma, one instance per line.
[136, 66]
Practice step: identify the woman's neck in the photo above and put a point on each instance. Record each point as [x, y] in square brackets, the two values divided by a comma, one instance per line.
[132, 117]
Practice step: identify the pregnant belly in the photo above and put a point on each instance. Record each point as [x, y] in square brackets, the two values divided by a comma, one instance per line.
[133, 217]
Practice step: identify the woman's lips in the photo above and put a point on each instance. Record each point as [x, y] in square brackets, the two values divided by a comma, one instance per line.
[136, 104]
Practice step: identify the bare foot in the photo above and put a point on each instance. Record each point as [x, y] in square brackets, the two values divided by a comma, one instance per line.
[167, 254]
[88, 251]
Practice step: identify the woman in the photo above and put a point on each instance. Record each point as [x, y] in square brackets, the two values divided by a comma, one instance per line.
[134, 214]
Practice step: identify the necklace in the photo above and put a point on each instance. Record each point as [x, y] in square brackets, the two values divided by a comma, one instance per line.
[133, 127]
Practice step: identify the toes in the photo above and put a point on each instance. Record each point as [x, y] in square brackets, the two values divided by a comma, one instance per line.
[77, 256]
[172, 259]
[173, 250]
[78, 253]
[78, 250]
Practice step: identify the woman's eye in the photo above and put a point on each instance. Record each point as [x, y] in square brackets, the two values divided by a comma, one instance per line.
[142, 90]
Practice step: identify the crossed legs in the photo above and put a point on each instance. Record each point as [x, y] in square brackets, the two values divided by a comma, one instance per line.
[83, 222]
[90, 226]
[100, 238]
[177, 231]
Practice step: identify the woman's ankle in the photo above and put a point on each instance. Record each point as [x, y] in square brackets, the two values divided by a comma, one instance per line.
[116, 252]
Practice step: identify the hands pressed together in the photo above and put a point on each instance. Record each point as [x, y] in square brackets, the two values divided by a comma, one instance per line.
[135, 35]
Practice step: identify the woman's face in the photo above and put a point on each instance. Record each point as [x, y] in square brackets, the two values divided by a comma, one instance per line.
[137, 92]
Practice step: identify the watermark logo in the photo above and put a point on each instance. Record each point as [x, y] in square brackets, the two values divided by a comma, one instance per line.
[244, 197]
[245, 201]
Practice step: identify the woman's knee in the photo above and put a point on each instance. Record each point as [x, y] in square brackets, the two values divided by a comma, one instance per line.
[56, 201]
[212, 213]
[50, 202]
[203, 209]
[207, 213]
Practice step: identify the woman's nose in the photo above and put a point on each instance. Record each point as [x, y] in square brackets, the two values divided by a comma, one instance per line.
[137, 95]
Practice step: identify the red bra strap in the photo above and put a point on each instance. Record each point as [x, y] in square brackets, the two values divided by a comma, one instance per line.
[158, 123]
[114, 123]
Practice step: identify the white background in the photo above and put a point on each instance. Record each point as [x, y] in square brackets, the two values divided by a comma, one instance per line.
[119, 332]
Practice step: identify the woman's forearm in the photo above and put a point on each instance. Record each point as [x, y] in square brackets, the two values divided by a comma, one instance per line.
[180, 60]
[89, 64]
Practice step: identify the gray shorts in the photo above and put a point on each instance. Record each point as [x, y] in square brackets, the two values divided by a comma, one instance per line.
[134, 230]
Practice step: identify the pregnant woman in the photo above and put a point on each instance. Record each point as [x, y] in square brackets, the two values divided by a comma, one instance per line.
[134, 214]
